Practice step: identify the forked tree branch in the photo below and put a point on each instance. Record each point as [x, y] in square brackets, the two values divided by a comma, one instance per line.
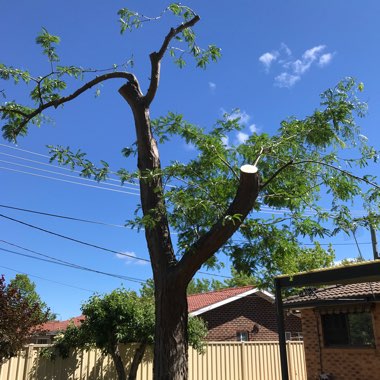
[225, 227]
[156, 57]
[55, 103]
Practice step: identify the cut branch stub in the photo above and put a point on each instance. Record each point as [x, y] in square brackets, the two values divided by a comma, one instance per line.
[249, 169]
[208, 244]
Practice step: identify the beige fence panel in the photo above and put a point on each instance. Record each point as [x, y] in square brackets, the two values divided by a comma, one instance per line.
[220, 361]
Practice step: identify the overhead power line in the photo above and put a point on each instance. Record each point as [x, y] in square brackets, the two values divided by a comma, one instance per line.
[95, 246]
[63, 216]
[68, 264]
[74, 240]
[67, 181]
[45, 279]
[62, 264]
[79, 177]
[61, 167]
[24, 150]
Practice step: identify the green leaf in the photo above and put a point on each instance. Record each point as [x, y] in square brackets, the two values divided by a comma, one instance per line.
[48, 42]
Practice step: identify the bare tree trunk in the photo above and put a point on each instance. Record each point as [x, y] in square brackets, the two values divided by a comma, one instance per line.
[119, 365]
[137, 358]
[171, 340]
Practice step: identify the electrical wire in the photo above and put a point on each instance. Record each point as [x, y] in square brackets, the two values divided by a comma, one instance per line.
[65, 265]
[46, 279]
[44, 163]
[65, 180]
[66, 175]
[74, 240]
[58, 167]
[72, 265]
[95, 246]
[63, 217]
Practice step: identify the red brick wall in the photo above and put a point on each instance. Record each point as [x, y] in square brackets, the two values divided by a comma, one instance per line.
[242, 315]
[342, 363]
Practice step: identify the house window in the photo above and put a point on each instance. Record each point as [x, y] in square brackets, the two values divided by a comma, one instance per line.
[42, 341]
[293, 335]
[242, 336]
[348, 329]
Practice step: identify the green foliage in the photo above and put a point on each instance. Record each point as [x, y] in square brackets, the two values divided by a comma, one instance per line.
[64, 156]
[240, 279]
[27, 290]
[197, 331]
[306, 160]
[10, 72]
[130, 20]
[48, 42]
[204, 285]
[118, 317]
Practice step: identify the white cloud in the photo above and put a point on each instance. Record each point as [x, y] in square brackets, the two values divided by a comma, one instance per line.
[212, 86]
[241, 137]
[347, 260]
[237, 114]
[226, 141]
[129, 259]
[286, 49]
[286, 80]
[313, 53]
[253, 128]
[325, 59]
[294, 68]
[267, 58]
[300, 66]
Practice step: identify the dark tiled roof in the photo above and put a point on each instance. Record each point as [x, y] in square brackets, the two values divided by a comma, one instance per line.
[367, 291]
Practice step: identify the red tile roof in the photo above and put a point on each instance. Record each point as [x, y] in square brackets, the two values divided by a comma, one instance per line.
[55, 326]
[201, 300]
[195, 302]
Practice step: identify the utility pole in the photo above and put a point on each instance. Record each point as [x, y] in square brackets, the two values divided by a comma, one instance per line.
[374, 243]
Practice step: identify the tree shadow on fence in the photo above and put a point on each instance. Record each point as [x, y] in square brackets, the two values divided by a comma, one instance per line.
[88, 365]
[54, 369]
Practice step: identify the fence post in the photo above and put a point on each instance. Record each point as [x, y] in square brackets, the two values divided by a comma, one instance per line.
[243, 361]
[28, 361]
[289, 350]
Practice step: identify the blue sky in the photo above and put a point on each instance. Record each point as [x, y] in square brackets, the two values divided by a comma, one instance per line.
[278, 56]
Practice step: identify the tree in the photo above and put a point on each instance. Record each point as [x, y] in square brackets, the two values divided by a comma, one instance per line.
[19, 319]
[220, 191]
[204, 285]
[119, 317]
[28, 292]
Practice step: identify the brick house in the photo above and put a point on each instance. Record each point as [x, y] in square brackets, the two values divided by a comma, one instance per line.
[233, 314]
[341, 330]
[52, 328]
[243, 314]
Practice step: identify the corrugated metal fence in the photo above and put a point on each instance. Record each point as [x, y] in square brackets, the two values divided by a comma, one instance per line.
[221, 361]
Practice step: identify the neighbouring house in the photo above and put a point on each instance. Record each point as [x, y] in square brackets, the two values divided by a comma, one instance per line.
[52, 328]
[241, 314]
[233, 314]
[341, 330]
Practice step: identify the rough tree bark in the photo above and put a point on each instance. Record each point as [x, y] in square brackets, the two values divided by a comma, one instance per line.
[137, 358]
[119, 365]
